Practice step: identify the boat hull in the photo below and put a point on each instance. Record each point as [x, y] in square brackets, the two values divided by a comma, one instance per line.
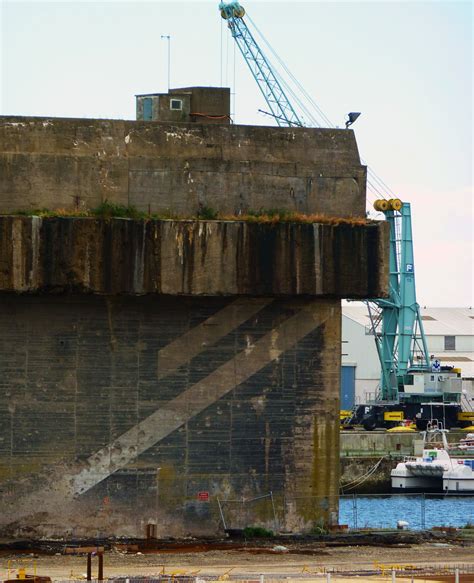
[435, 470]
[416, 484]
[460, 478]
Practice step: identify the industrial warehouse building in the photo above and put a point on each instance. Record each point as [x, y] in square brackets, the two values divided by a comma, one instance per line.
[450, 337]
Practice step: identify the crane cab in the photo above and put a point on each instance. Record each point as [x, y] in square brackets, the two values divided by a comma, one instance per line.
[444, 385]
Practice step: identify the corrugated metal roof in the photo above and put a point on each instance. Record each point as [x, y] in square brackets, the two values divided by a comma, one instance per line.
[448, 321]
[436, 321]
[440, 322]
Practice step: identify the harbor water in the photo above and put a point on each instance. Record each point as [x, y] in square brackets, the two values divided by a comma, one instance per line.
[420, 511]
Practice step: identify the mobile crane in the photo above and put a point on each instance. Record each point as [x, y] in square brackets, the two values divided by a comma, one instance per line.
[411, 386]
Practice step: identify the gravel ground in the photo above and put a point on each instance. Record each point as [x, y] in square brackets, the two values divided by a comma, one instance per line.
[253, 561]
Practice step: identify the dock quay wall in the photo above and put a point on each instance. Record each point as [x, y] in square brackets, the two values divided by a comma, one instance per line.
[151, 369]
[362, 450]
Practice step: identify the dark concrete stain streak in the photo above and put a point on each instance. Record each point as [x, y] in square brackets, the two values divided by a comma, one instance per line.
[126, 257]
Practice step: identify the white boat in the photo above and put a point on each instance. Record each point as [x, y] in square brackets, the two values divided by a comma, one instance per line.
[436, 470]
[460, 478]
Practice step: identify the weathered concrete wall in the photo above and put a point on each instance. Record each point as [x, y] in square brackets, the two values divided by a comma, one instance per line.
[117, 411]
[376, 443]
[357, 476]
[191, 257]
[361, 451]
[211, 361]
[59, 163]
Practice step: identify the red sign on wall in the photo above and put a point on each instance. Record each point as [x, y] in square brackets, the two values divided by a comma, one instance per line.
[203, 496]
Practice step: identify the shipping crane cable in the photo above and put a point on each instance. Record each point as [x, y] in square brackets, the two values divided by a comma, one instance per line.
[375, 185]
[298, 85]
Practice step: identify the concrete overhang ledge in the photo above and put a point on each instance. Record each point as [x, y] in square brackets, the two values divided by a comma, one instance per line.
[192, 257]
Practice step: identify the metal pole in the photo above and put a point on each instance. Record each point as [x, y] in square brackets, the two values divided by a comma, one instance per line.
[221, 50]
[169, 63]
[89, 566]
[168, 38]
[100, 575]
[274, 512]
[423, 511]
[394, 577]
[222, 514]
[355, 512]
[456, 575]
[157, 500]
[257, 498]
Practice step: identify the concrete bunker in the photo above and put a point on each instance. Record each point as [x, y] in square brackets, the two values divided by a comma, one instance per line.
[148, 361]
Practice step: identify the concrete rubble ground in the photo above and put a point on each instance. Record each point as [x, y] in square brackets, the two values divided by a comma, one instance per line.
[427, 557]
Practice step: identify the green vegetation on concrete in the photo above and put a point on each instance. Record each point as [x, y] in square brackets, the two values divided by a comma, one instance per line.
[258, 532]
[207, 213]
[108, 210]
[319, 528]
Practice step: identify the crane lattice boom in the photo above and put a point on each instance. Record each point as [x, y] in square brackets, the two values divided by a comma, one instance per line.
[267, 81]
[396, 321]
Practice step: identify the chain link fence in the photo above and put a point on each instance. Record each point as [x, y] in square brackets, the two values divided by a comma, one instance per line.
[356, 511]
[418, 511]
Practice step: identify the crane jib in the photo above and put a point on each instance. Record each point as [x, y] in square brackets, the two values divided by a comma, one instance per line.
[262, 72]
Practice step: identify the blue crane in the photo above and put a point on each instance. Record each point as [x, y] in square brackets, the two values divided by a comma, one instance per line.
[411, 386]
[262, 72]
[406, 381]
[396, 321]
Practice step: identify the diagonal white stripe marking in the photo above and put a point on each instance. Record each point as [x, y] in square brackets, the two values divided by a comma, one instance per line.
[191, 343]
[195, 399]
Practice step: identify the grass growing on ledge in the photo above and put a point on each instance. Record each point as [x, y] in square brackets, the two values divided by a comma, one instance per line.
[258, 532]
[206, 213]
[47, 213]
[108, 210]
[294, 217]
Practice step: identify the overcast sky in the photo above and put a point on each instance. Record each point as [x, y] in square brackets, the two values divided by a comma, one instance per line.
[407, 66]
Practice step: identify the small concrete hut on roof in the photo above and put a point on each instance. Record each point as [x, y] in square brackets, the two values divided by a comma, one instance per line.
[186, 104]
